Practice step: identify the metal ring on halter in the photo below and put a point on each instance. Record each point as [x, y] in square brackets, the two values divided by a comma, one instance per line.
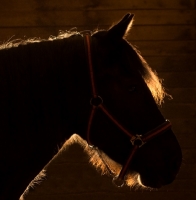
[118, 182]
[96, 101]
[137, 140]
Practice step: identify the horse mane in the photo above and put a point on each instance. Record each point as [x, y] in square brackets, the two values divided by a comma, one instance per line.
[10, 43]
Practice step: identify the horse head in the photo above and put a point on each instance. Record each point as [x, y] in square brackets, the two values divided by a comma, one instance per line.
[131, 93]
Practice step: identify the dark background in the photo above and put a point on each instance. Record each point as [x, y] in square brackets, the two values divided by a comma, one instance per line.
[165, 32]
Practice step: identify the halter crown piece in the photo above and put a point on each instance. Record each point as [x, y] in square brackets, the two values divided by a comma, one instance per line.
[96, 102]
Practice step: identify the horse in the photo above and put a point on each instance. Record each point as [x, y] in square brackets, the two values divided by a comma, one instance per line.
[95, 84]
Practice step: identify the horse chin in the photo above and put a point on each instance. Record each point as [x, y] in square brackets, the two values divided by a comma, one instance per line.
[154, 181]
[146, 183]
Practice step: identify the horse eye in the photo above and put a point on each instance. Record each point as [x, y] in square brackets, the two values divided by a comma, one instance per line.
[132, 88]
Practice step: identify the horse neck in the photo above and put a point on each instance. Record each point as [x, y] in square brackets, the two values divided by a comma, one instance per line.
[49, 88]
[47, 102]
[70, 84]
[76, 82]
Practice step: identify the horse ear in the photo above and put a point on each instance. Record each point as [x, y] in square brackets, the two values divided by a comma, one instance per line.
[120, 29]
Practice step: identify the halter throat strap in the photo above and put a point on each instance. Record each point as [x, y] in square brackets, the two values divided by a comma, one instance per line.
[96, 102]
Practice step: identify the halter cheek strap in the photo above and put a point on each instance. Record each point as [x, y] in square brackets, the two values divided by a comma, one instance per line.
[96, 102]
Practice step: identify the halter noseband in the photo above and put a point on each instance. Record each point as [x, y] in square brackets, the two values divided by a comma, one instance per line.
[97, 103]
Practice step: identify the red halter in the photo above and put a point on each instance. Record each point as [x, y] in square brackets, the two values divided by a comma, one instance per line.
[97, 103]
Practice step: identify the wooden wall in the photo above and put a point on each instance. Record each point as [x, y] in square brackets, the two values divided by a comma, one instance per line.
[165, 32]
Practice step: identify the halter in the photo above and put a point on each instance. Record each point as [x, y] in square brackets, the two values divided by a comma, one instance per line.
[96, 102]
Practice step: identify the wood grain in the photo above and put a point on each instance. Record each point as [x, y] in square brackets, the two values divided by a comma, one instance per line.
[182, 95]
[179, 79]
[166, 48]
[20, 5]
[165, 33]
[44, 18]
[173, 63]
[179, 111]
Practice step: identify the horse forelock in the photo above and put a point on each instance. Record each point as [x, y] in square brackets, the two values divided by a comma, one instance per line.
[154, 83]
